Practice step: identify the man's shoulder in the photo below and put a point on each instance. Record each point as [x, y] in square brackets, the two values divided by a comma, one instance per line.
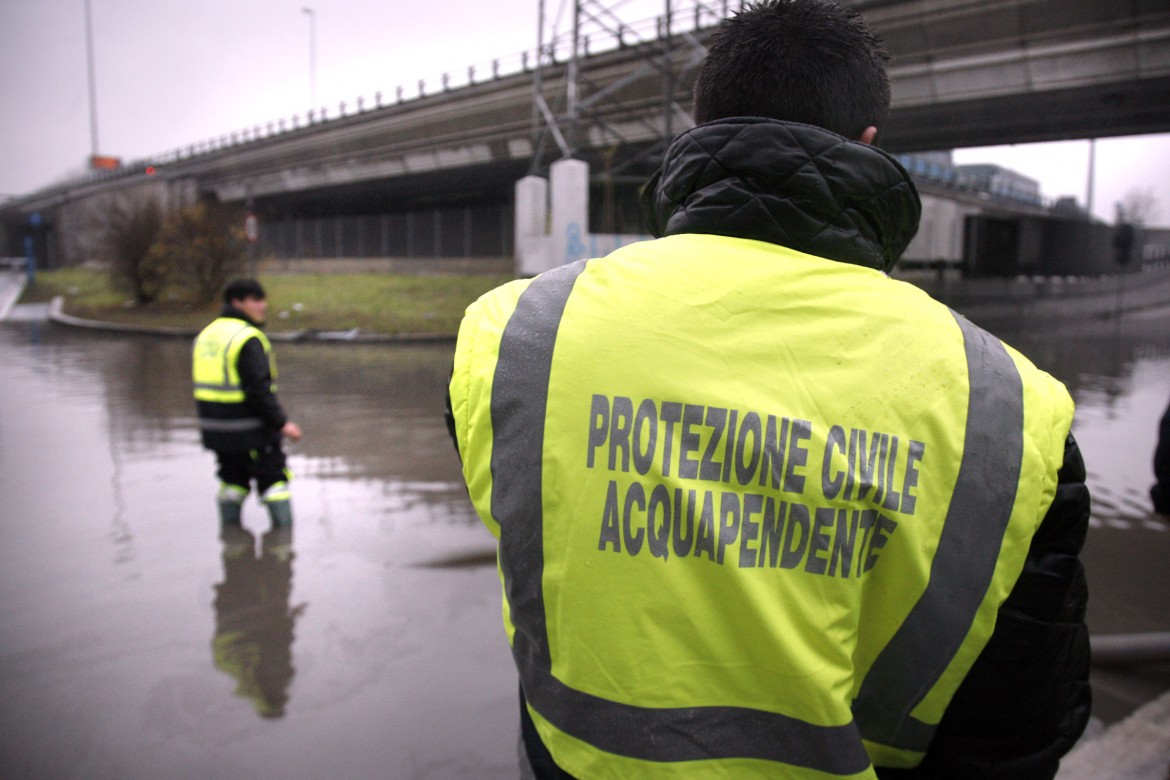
[499, 300]
[211, 327]
[227, 327]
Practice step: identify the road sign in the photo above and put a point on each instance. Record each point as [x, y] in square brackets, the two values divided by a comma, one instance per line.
[100, 162]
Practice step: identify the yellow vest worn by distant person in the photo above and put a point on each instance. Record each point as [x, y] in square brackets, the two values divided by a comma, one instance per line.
[214, 359]
[756, 510]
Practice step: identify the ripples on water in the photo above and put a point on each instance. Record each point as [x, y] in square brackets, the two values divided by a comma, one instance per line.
[1119, 375]
[132, 636]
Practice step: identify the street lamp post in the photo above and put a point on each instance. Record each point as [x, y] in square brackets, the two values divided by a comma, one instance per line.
[93, 127]
[312, 55]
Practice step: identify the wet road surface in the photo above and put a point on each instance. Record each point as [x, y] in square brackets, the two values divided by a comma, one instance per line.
[133, 644]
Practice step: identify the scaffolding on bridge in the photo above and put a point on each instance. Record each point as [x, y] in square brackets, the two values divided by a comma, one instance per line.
[570, 112]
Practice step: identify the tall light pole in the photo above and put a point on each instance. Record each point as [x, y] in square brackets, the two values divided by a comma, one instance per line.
[312, 55]
[93, 130]
[1092, 177]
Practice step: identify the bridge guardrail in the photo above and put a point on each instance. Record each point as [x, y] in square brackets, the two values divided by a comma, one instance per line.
[600, 34]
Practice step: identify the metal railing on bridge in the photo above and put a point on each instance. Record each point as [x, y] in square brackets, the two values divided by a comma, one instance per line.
[607, 33]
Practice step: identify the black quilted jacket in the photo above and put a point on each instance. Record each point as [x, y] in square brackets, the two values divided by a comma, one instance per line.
[789, 184]
[1027, 699]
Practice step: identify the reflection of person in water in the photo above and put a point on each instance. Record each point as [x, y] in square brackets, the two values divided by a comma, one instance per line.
[253, 621]
[1160, 492]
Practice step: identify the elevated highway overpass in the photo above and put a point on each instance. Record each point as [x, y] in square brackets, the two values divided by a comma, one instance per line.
[433, 175]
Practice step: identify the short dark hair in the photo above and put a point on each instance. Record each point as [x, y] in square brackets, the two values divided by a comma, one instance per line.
[239, 289]
[809, 61]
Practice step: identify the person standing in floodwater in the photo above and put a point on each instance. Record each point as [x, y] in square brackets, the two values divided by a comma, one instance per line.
[1160, 492]
[240, 418]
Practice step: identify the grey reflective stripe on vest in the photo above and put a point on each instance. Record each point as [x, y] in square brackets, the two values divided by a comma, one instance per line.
[519, 399]
[694, 733]
[968, 551]
[518, 408]
[227, 351]
[230, 426]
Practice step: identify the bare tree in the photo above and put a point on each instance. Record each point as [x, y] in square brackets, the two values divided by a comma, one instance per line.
[205, 246]
[129, 226]
[1138, 207]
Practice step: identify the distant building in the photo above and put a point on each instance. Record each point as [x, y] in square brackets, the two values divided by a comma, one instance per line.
[1068, 207]
[941, 159]
[1004, 182]
[990, 181]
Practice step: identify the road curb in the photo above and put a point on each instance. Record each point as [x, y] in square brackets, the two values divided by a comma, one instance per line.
[11, 288]
[57, 314]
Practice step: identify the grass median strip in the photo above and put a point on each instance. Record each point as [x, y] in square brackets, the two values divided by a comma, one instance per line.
[371, 303]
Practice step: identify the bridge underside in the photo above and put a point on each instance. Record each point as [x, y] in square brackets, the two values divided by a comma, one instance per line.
[1099, 111]
[485, 183]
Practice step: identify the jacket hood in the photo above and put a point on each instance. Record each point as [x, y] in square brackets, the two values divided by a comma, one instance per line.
[787, 183]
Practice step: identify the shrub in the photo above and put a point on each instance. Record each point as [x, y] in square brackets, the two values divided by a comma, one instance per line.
[205, 246]
[129, 228]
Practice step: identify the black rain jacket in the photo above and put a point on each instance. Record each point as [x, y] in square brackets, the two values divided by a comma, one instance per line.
[1027, 699]
[259, 400]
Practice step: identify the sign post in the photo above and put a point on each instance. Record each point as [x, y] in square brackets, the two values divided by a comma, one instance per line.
[252, 233]
[30, 256]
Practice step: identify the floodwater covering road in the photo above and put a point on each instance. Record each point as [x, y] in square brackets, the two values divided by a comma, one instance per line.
[134, 645]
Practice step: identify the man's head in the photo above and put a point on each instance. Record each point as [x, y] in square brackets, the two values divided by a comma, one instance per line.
[248, 296]
[809, 61]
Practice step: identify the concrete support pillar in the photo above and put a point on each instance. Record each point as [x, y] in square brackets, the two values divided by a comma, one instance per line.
[570, 210]
[538, 248]
[531, 206]
[531, 223]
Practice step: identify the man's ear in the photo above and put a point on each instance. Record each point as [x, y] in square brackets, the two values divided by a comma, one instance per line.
[868, 134]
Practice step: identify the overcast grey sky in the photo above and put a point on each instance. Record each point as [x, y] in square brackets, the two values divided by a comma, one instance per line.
[169, 74]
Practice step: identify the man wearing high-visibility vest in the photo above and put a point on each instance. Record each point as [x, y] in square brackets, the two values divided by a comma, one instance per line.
[240, 418]
[761, 510]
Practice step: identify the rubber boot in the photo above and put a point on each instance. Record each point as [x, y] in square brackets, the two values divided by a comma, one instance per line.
[276, 498]
[280, 512]
[230, 499]
[236, 539]
[278, 541]
[229, 513]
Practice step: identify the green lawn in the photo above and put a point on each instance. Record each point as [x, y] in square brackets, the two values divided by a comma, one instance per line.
[372, 303]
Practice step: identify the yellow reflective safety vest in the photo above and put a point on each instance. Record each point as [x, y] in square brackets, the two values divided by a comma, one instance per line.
[756, 510]
[216, 376]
